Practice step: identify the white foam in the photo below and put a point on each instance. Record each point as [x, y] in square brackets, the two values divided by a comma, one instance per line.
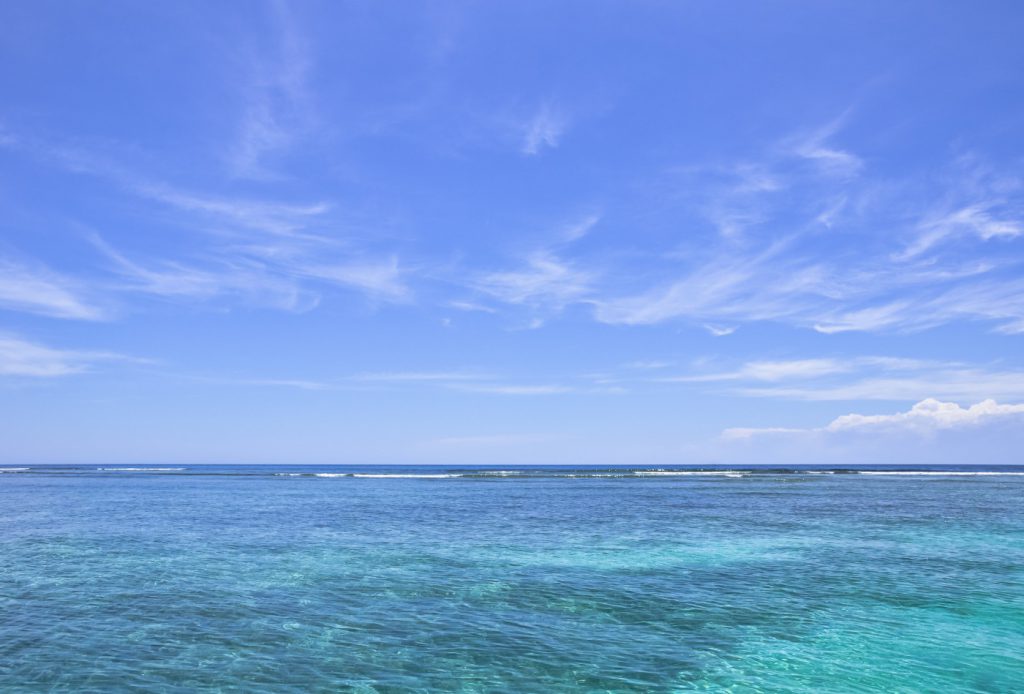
[941, 473]
[698, 473]
[140, 469]
[14, 469]
[394, 475]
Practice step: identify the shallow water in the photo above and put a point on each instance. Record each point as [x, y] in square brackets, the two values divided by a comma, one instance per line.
[511, 580]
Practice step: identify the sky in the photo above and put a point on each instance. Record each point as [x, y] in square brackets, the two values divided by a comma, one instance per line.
[521, 232]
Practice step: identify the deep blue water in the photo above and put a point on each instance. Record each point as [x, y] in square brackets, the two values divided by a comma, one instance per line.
[301, 579]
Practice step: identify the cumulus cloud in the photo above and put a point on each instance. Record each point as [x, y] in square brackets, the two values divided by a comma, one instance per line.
[927, 416]
[930, 432]
[930, 414]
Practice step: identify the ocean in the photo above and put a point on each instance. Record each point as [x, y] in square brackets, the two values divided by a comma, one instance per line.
[480, 579]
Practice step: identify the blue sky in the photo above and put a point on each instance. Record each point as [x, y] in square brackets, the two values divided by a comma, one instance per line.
[511, 232]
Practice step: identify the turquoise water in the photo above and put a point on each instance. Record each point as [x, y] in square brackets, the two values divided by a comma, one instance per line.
[532, 580]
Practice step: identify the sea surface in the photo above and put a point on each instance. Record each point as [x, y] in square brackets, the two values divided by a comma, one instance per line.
[484, 579]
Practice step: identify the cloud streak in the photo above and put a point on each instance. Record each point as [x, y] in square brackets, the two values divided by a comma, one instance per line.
[543, 131]
[21, 357]
[277, 101]
[34, 289]
[858, 378]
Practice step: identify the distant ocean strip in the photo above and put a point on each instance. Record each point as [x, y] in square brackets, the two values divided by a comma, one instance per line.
[533, 472]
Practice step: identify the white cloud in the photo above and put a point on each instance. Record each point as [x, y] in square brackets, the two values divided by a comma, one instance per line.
[419, 376]
[866, 319]
[832, 160]
[463, 381]
[258, 215]
[720, 330]
[277, 101]
[579, 229]
[506, 389]
[472, 306]
[286, 383]
[927, 416]
[647, 364]
[19, 357]
[730, 287]
[930, 413]
[241, 278]
[815, 147]
[865, 277]
[41, 291]
[976, 219]
[933, 431]
[545, 281]
[858, 379]
[543, 131]
[221, 213]
[962, 383]
[381, 279]
[772, 371]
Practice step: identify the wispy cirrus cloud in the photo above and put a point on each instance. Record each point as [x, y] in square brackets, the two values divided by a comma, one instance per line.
[249, 280]
[272, 217]
[21, 357]
[953, 383]
[277, 101]
[33, 288]
[467, 381]
[544, 280]
[289, 383]
[219, 213]
[761, 286]
[837, 253]
[420, 376]
[291, 283]
[979, 219]
[860, 378]
[382, 279]
[264, 251]
[817, 148]
[512, 388]
[544, 130]
[772, 371]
